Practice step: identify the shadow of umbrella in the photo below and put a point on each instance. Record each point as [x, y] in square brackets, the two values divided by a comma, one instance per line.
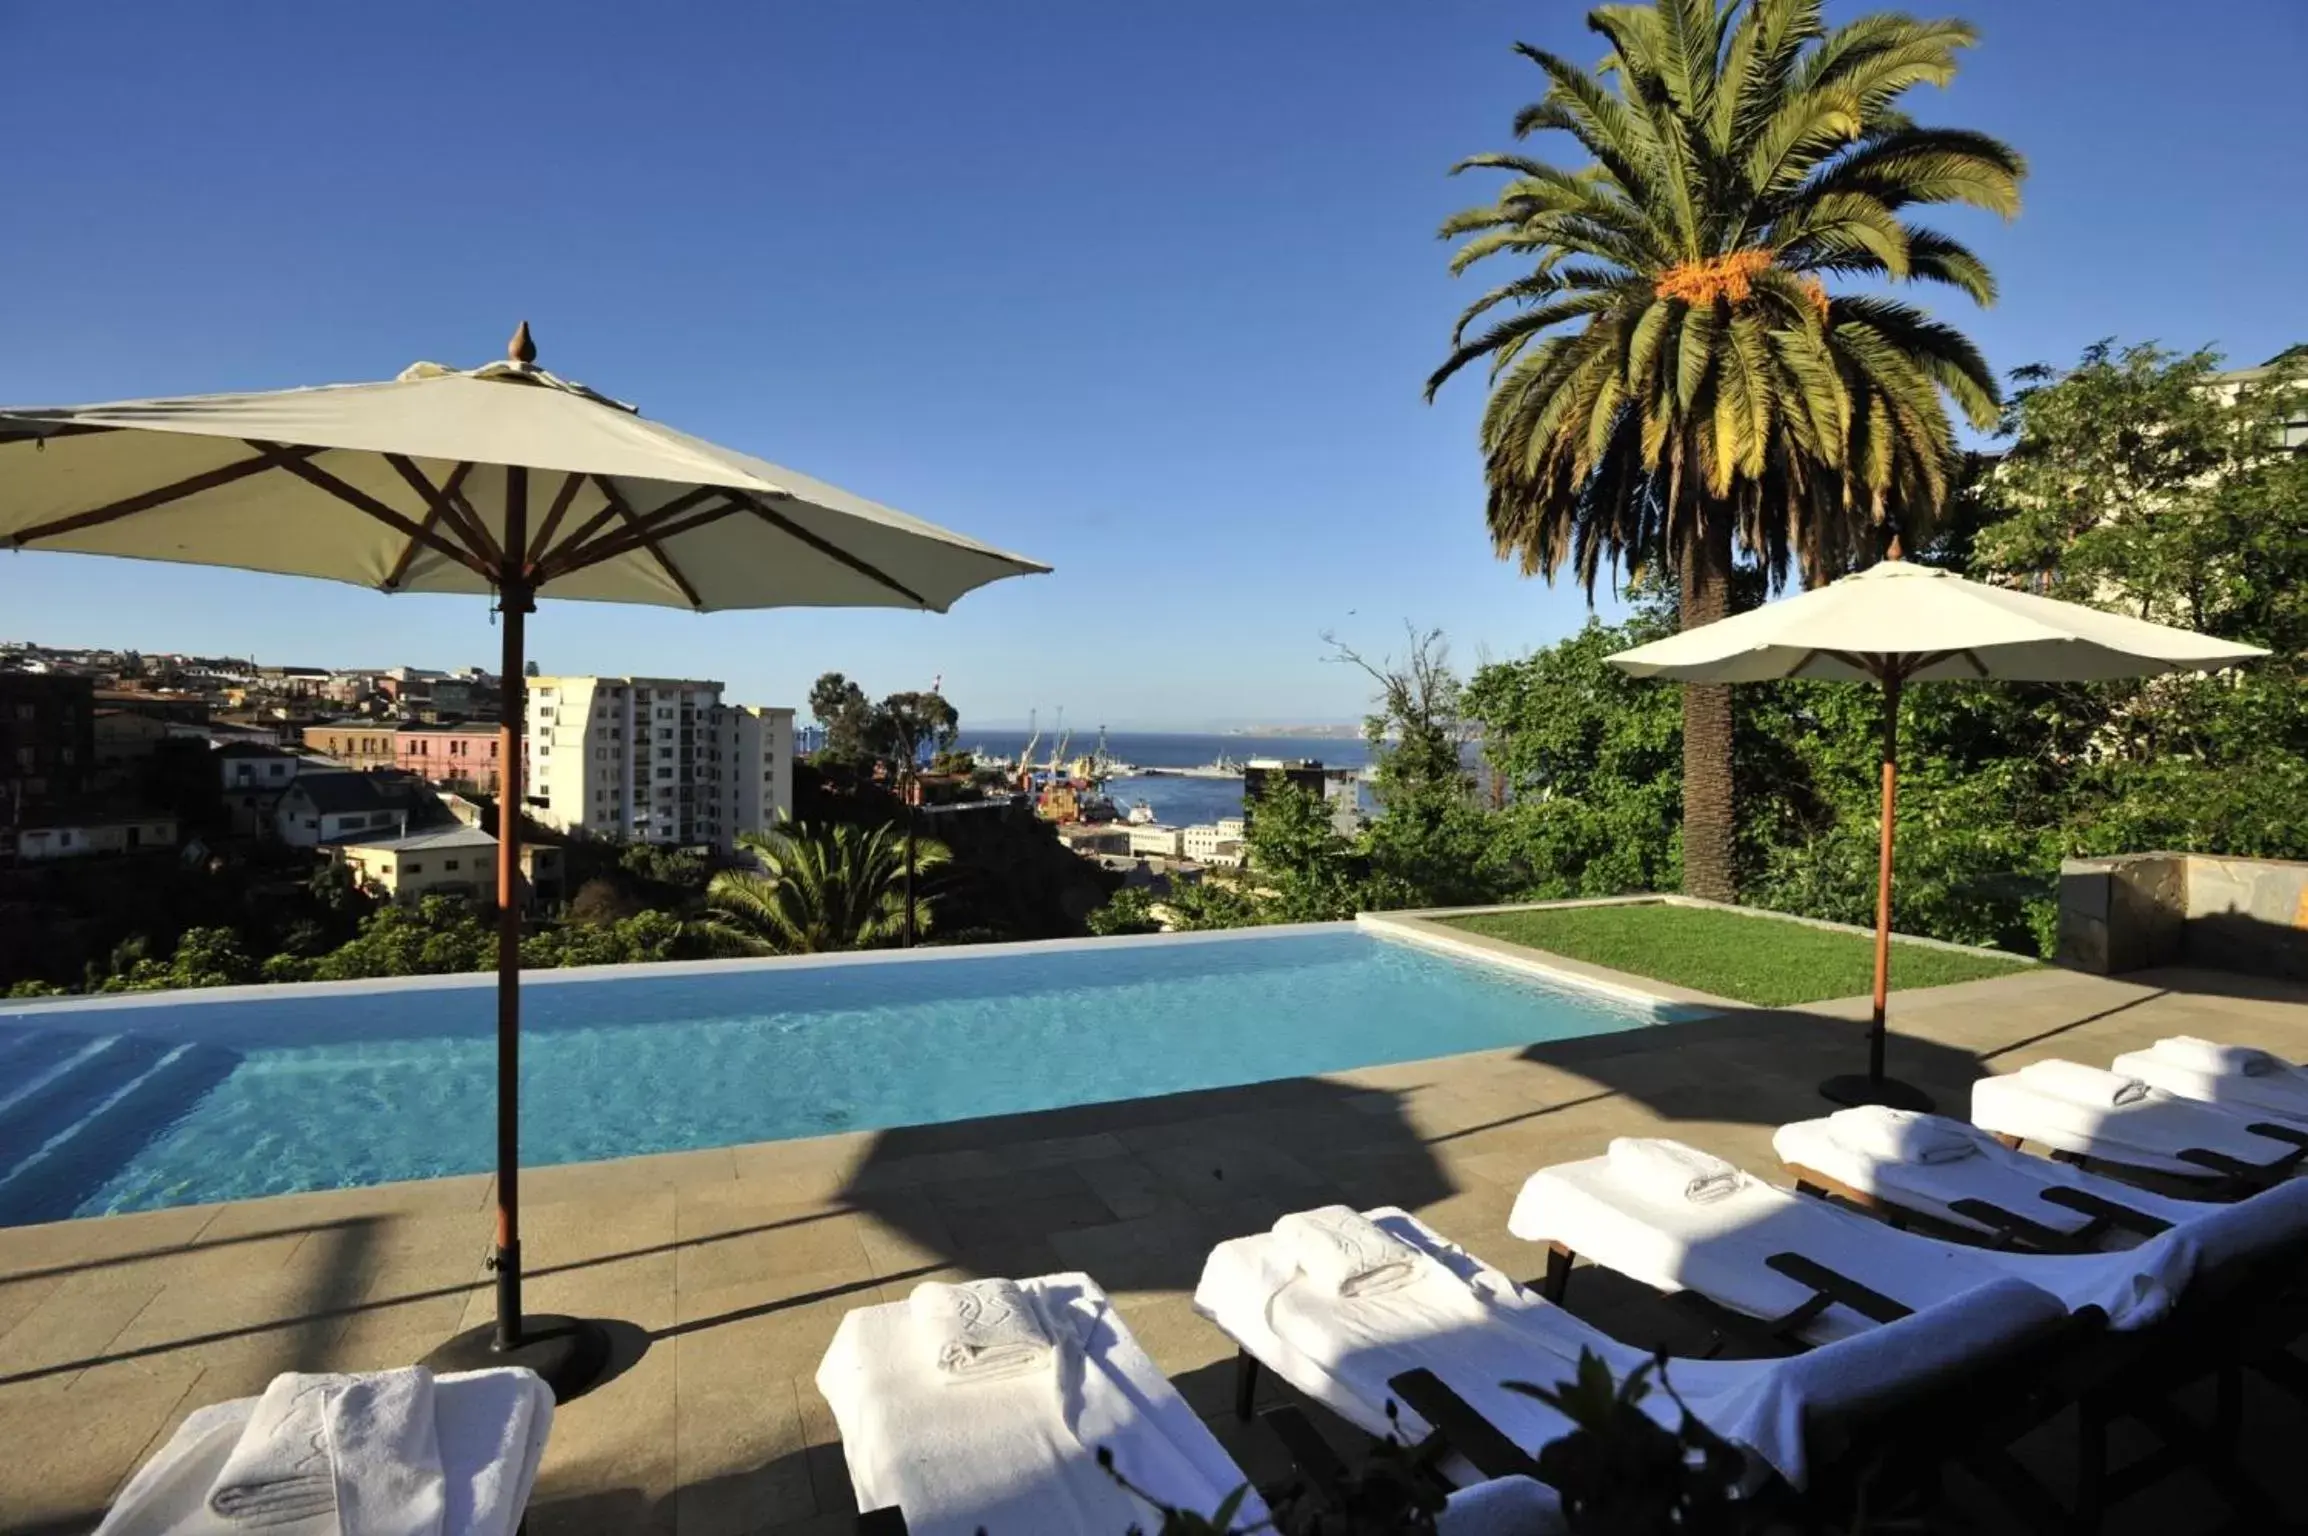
[1137, 1192]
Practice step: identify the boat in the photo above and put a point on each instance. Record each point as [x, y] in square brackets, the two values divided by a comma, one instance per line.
[1141, 814]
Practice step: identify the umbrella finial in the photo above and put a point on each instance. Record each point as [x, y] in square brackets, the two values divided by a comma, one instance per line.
[522, 349]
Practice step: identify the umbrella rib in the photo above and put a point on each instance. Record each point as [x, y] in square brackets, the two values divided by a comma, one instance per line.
[648, 538]
[438, 508]
[449, 504]
[625, 542]
[576, 552]
[145, 501]
[362, 501]
[553, 515]
[833, 551]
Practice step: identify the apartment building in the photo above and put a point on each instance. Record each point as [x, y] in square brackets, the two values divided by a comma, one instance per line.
[750, 768]
[465, 753]
[654, 760]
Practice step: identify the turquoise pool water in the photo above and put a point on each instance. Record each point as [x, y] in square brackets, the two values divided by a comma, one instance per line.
[197, 1098]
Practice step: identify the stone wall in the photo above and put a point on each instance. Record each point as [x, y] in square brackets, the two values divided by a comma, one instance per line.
[2141, 909]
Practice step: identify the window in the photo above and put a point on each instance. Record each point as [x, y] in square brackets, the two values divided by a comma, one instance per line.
[665, 773]
[448, 864]
[412, 867]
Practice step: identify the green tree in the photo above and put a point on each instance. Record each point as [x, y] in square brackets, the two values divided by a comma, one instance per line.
[1673, 381]
[821, 888]
[1298, 862]
[1586, 761]
[840, 706]
[1424, 849]
[902, 724]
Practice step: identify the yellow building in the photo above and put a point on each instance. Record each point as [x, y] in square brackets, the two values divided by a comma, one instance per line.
[447, 861]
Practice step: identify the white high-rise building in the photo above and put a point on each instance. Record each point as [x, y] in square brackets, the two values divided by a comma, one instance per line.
[751, 768]
[654, 760]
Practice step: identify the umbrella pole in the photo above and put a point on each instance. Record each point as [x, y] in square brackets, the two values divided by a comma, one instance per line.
[1875, 1087]
[569, 1353]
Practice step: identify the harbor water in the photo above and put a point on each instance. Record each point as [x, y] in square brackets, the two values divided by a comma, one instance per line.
[1175, 801]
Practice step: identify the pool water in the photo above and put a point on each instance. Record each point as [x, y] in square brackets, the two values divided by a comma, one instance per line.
[198, 1098]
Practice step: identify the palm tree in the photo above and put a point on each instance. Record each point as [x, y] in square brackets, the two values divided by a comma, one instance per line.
[1672, 381]
[819, 888]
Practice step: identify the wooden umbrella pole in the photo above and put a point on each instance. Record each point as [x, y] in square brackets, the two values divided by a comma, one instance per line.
[516, 597]
[1875, 1036]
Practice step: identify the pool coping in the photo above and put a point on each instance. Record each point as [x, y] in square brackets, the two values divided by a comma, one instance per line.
[668, 969]
[1670, 1003]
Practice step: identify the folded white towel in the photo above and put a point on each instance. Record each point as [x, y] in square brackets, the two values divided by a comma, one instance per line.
[2092, 1087]
[1343, 1251]
[384, 1454]
[488, 1433]
[981, 1331]
[2217, 1060]
[1504, 1506]
[278, 1471]
[1670, 1170]
[1902, 1135]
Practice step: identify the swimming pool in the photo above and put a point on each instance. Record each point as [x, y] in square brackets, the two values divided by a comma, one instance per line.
[132, 1103]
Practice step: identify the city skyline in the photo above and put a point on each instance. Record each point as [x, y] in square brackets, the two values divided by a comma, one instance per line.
[1175, 353]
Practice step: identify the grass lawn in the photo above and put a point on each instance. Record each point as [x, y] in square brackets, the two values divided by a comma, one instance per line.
[1757, 960]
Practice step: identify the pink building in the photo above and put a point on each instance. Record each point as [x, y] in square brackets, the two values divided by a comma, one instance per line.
[449, 754]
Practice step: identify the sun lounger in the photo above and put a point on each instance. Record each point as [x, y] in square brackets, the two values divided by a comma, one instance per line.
[2080, 1111]
[1439, 1344]
[2236, 1078]
[406, 1452]
[1898, 1163]
[1015, 1450]
[1816, 1272]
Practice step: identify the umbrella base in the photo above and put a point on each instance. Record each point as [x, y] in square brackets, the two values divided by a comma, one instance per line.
[570, 1353]
[1859, 1088]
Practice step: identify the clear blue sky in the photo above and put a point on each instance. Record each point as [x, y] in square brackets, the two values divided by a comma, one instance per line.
[1146, 291]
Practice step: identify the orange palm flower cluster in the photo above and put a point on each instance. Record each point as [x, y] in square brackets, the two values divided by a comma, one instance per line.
[1704, 281]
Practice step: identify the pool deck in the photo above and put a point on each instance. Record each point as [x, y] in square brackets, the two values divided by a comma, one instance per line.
[728, 1269]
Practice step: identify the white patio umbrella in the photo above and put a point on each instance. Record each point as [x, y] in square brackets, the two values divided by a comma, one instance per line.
[1896, 623]
[502, 480]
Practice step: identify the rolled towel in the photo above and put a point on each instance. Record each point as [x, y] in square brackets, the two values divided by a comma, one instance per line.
[1902, 1135]
[981, 1331]
[1344, 1252]
[2216, 1060]
[1670, 1170]
[2091, 1087]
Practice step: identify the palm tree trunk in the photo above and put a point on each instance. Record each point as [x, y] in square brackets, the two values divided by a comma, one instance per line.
[1708, 814]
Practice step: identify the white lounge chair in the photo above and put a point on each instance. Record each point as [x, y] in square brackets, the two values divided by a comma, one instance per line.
[406, 1452]
[2080, 1111]
[2237, 1078]
[1895, 1161]
[1016, 1453]
[1817, 1273]
[1473, 1328]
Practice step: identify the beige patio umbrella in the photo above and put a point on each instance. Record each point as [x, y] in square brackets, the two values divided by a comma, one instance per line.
[1896, 623]
[498, 480]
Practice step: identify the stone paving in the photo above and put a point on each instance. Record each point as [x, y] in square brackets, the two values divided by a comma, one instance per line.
[728, 1269]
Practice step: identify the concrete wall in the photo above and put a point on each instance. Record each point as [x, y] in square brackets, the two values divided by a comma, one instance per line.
[2142, 909]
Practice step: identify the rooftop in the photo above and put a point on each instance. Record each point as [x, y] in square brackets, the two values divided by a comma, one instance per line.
[458, 836]
[728, 1269]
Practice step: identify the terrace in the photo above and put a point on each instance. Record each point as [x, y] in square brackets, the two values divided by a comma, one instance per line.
[728, 1268]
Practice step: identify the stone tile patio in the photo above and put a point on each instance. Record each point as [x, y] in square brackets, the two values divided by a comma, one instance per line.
[728, 1269]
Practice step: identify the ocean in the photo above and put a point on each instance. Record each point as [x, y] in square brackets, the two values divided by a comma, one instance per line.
[1177, 802]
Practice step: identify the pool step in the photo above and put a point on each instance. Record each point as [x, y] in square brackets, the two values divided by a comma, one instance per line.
[38, 1058]
[114, 1123]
